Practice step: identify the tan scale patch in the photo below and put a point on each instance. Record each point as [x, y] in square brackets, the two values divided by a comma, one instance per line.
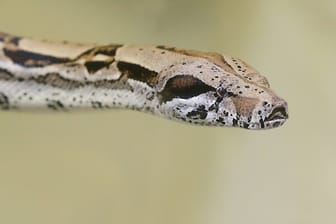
[152, 58]
[55, 49]
[101, 57]
[244, 105]
[215, 58]
[246, 71]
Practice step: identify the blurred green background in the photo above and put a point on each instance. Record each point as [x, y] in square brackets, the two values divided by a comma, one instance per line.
[128, 167]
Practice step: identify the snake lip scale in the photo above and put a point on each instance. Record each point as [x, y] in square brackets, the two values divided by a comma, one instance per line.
[184, 85]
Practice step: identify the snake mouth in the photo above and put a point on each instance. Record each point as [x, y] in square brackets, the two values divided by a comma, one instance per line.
[277, 117]
[278, 113]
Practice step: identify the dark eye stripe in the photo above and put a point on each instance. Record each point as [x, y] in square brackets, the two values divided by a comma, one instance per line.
[185, 87]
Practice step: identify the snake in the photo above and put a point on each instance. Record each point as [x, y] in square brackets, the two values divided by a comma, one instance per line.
[190, 86]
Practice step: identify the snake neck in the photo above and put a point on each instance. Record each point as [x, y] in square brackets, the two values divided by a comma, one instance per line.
[60, 76]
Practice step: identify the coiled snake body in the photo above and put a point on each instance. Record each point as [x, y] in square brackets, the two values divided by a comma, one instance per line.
[184, 85]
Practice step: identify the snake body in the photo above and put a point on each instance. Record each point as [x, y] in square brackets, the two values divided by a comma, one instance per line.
[184, 85]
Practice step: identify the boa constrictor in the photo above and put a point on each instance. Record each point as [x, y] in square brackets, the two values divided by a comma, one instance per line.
[184, 85]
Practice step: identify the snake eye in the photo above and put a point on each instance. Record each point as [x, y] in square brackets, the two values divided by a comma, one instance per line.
[185, 87]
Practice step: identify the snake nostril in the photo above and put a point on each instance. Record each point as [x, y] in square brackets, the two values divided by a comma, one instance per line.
[278, 112]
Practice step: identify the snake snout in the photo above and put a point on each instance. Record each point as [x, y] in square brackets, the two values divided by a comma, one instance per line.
[278, 113]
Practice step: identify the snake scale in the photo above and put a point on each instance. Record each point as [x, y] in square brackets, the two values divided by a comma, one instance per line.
[184, 85]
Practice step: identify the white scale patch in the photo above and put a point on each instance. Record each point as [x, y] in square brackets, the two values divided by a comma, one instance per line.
[30, 95]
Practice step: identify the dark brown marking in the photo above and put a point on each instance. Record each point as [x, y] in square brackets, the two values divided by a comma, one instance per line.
[94, 66]
[55, 105]
[198, 113]
[150, 96]
[96, 105]
[108, 50]
[262, 123]
[138, 73]
[162, 47]
[277, 113]
[15, 40]
[220, 120]
[4, 102]
[234, 122]
[4, 37]
[55, 80]
[223, 92]
[31, 59]
[215, 106]
[112, 84]
[5, 75]
[184, 86]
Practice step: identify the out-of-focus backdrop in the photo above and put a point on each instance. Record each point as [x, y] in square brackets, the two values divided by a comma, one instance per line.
[129, 167]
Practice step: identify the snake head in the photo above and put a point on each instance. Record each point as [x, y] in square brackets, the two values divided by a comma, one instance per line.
[219, 90]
